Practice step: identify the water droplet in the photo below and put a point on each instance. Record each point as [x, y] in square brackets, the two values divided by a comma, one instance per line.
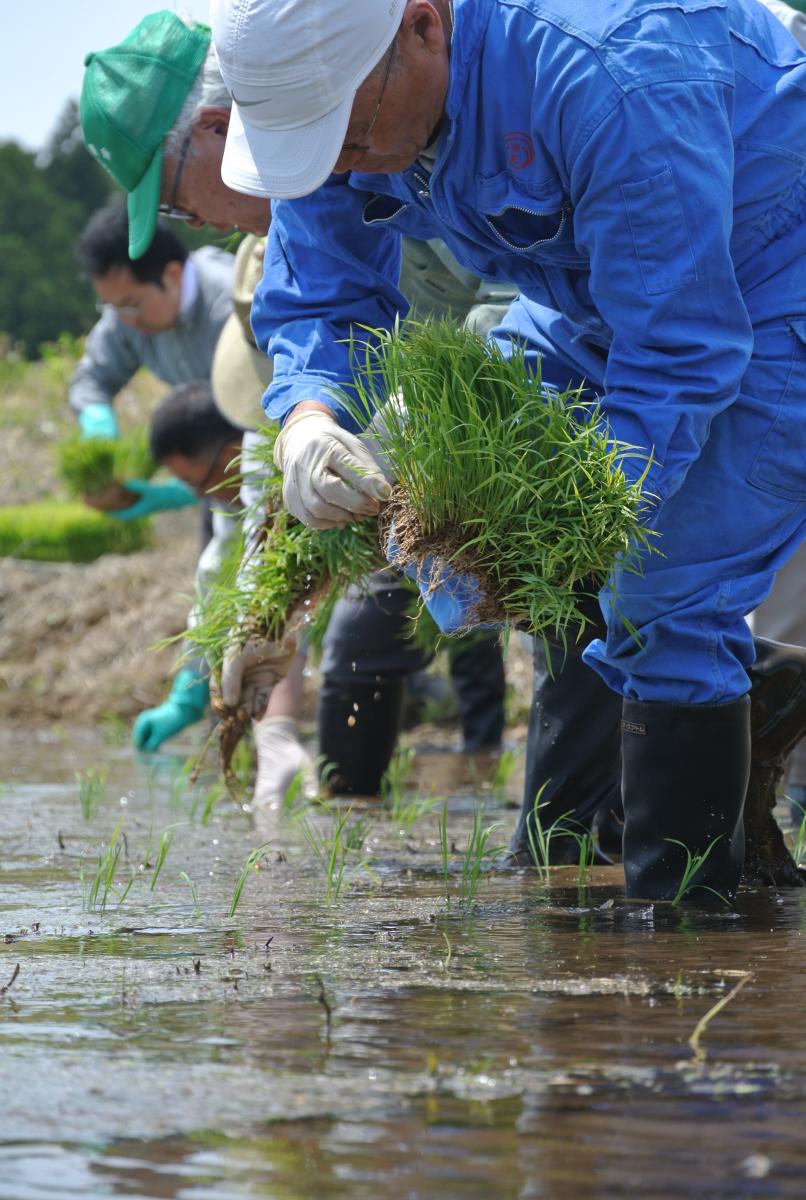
[377, 696]
[355, 706]
[351, 721]
[123, 801]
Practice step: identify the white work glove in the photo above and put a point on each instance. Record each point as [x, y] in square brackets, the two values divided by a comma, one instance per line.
[250, 672]
[330, 476]
[281, 760]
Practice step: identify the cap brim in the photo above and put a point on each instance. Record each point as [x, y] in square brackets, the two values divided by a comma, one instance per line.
[283, 163]
[143, 206]
[239, 377]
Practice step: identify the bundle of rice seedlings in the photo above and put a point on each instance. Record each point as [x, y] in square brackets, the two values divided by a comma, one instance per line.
[281, 587]
[516, 486]
[56, 531]
[96, 468]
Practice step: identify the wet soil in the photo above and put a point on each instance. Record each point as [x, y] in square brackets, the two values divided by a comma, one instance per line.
[533, 1043]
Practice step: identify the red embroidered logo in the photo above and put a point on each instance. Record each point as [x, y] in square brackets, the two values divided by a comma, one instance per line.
[520, 149]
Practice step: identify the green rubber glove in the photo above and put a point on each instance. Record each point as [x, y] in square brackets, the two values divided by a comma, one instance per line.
[98, 421]
[185, 706]
[154, 497]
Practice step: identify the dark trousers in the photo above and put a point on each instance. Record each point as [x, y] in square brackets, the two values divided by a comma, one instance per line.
[368, 655]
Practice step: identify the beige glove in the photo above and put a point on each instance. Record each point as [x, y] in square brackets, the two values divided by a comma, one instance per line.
[250, 672]
[330, 475]
[281, 759]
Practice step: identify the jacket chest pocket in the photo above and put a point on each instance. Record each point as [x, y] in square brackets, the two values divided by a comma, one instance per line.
[520, 223]
[522, 230]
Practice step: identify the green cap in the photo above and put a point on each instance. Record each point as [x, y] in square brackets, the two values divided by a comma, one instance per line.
[131, 97]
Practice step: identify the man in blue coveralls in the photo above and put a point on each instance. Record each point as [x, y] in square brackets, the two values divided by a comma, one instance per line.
[637, 170]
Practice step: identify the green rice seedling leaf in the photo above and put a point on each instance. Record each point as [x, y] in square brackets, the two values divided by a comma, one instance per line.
[444, 850]
[799, 847]
[693, 864]
[164, 846]
[339, 850]
[96, 894]
[477, 850]
[91, 789]
[183, 875]
[251, 865]
[587, 853]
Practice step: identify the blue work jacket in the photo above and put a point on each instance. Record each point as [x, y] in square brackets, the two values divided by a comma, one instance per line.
[634, 167]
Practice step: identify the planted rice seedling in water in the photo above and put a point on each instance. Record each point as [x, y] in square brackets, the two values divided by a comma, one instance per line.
[91, 789]
[404, 809]
[444, 849]
[799, 846]
[97, 892]
[251, 865]
[339, 852]
[540, 836]
[165, 842]
[209, 802]
[183, 875]
[587, 854]
[693, 864]
[477, 850]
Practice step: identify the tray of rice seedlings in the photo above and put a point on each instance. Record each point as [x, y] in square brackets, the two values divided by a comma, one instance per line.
[510, 496]
[280, 589]
[62, 531]
[95, 468]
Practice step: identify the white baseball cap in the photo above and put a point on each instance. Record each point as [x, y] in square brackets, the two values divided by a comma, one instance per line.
[293, 68]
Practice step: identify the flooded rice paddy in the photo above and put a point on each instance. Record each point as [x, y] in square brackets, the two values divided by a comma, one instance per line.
[531, 1040]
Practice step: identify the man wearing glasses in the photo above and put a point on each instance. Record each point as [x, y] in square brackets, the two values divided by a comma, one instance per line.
[162, 137]
[164, 311]
[639, 172]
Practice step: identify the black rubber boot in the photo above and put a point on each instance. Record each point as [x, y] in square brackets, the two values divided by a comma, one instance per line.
[685, 774]
[573, 756]
[778, 722]
[358, 729]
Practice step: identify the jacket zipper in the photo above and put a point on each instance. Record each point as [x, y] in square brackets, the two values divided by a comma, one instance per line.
[530, 212]
[424, 190]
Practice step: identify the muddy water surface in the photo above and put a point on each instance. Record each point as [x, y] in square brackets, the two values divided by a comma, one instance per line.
[387, 1045]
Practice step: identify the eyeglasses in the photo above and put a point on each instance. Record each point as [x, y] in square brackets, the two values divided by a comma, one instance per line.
[170, 210]
[357, 147]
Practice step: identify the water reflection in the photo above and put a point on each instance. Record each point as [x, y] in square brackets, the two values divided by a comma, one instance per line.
[388, 1045]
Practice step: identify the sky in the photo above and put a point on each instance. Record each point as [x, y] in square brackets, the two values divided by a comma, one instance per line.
[42, 55]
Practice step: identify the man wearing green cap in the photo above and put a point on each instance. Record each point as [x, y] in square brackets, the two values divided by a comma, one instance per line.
[186, 135]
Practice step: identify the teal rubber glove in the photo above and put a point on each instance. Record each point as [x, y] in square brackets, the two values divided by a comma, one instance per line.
[185, 706]
[98, 421]
[154, 497]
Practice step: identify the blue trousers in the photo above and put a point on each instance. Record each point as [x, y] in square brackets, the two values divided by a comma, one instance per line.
[736, 519]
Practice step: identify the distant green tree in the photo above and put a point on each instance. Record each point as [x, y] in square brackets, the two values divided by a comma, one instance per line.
[40, 296]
